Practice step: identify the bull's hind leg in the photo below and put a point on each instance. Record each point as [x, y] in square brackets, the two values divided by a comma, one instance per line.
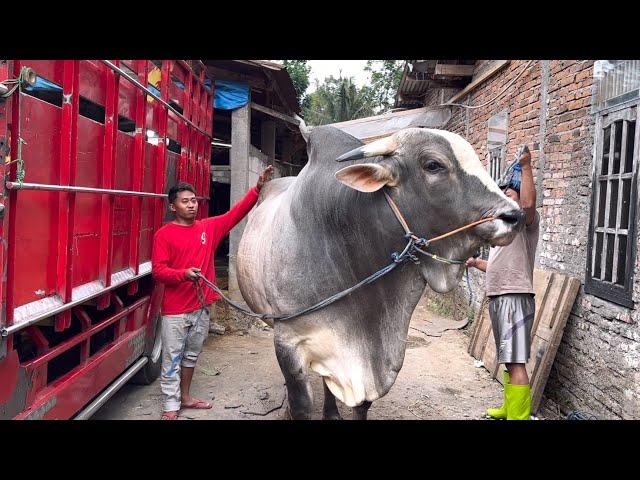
[360, 412]
[299, 394]
[330, 409]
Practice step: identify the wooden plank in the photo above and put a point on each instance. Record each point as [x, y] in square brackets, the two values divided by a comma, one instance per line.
[274, 86]
[490, 354]
[541, 282]
[557, 286]
[454, 70]
[539, 381]
[477, 324]
[274, 113]
[222, 74]
[481, 78]
[484, 331]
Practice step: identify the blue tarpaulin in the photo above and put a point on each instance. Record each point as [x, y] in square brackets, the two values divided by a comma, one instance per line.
[230, 95]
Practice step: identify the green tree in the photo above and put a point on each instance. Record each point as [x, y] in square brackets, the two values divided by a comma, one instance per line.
[385, 78]
[299, 72]
[337, 100]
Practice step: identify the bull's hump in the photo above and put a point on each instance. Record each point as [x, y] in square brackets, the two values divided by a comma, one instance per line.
[328, 143]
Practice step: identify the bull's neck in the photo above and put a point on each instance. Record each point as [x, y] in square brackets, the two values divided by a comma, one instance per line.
[361, 229]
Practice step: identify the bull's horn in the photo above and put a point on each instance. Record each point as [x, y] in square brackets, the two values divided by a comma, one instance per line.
[384, 146]
[304, 130]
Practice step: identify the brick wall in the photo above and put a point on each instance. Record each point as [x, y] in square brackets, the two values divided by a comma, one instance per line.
[597, 367]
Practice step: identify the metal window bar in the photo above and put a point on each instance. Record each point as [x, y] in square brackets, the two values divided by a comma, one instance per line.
[598, 193]
[603, 259]
[616, 253]
[611, 177]
[495, 162]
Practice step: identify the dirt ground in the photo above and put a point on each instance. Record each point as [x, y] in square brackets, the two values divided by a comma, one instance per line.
[239, 371]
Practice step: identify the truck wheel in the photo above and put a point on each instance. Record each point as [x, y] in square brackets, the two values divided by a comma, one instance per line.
[151, 371]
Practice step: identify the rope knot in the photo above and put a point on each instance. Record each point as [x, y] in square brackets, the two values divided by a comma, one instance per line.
[421, 242]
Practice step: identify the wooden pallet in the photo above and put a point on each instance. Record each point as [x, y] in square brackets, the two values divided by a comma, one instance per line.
[555, 294]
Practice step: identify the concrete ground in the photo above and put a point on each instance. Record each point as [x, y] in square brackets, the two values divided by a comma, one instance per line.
[240, 373]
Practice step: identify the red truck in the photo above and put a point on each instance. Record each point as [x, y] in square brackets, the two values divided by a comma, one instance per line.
[88, 150]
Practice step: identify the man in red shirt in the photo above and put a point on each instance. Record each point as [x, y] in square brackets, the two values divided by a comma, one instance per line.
[182, 249]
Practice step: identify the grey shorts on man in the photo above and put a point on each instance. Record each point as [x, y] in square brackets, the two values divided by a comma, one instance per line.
[182, 339]
[512, 317]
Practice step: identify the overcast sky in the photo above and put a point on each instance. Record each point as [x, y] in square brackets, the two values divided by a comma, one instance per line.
[320, 69]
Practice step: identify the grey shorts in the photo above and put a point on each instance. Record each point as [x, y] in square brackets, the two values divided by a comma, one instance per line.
[511, 320]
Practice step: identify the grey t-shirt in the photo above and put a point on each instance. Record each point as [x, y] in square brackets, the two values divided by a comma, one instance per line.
[510, 268]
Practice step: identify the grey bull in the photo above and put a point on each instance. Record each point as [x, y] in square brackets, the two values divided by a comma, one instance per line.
[319, 233]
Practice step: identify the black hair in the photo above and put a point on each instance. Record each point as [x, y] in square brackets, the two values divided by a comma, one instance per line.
[180, 187]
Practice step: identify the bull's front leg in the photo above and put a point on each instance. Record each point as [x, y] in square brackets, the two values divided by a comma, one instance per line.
[299, 393]
[360, 412]
[330, 409]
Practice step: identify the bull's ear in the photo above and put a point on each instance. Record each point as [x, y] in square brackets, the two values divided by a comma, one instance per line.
[366, 177]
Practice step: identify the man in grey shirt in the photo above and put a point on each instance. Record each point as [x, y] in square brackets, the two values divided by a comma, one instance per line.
[510, 291]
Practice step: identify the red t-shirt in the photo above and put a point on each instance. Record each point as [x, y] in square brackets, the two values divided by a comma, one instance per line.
[178, 247]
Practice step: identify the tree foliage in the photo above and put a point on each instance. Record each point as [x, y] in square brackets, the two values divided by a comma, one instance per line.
[340, 99]
[299, 72]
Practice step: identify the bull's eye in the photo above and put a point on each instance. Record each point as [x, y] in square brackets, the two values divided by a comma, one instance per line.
[433, 166]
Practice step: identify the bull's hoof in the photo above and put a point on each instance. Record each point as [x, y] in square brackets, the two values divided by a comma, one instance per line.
[332, 416]
[286, 414]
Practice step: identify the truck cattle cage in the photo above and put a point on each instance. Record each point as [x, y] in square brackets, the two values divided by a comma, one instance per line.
[88, 150]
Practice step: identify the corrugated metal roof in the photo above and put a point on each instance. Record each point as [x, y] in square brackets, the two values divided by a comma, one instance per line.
[370, 128]
[419, 77]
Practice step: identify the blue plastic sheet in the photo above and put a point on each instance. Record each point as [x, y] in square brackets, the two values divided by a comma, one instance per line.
[230, 95]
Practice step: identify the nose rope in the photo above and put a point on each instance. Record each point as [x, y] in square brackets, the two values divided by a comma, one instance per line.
[407, 231]
[422, 242]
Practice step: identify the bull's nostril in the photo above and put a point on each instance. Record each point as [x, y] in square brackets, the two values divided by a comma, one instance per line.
[511, 217]
[508, 218]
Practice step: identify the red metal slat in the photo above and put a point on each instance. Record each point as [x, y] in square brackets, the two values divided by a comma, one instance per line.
[85, 322]
[189, 114]
[108, 173]
[4, 138]
[37, 337]
[195, 113]
[182, 173]
[200, 120]
[137, 167]
[163, 118]
[207, 144]
[66, 203]
[92, 81]
[12, 206]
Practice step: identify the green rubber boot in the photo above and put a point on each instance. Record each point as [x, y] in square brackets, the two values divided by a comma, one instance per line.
[501, 412]
[518, 401]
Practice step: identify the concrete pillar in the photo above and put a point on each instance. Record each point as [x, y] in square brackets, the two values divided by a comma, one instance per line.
[268, 139]
[239, 161]
[287, 154]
